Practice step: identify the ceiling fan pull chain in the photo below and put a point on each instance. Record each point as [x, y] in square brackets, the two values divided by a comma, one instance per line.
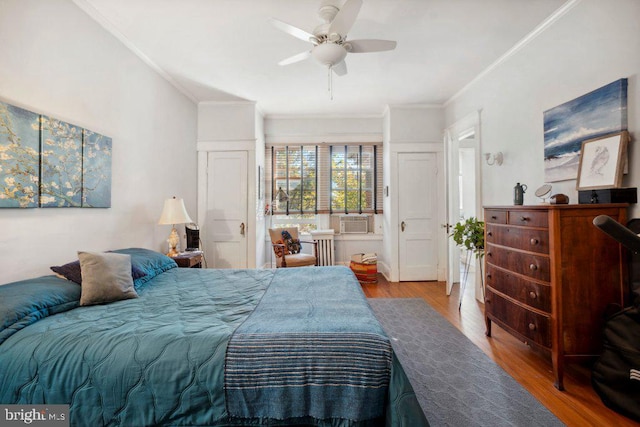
[330, 77]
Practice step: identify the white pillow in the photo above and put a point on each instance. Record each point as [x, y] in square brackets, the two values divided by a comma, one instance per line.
[106, 277]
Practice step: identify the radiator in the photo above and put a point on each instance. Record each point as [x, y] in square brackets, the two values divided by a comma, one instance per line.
[326, 249]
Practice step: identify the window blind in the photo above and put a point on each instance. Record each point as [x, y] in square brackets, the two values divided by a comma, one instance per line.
[325, 178]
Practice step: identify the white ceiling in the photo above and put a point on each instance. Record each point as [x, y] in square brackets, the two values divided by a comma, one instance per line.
[226, 50]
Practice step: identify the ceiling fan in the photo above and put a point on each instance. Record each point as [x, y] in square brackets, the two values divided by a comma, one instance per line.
[330, 45]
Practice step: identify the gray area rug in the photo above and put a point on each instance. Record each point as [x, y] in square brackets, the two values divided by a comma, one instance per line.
[456, 383]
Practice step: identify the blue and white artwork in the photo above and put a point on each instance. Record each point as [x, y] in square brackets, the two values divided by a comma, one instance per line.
[96, 170]
[45, 162]
[61, 164]
[19, 157]
[598, 113]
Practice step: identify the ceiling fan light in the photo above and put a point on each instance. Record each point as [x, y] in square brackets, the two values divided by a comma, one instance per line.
[329, 54]
[334, 37]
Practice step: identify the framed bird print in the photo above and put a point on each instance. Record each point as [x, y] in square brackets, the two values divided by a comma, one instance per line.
[602, 161]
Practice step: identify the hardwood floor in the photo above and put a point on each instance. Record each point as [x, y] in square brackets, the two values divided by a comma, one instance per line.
[578, 405]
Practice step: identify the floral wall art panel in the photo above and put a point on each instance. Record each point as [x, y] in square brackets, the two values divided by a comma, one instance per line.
[593, 115]
[96, 170]
[60, 164]
[19, 157]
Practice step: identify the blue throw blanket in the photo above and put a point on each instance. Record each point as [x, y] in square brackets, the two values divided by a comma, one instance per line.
[310, 348]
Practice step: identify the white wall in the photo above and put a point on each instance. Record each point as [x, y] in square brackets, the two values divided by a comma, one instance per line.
[58, 61]
[315, 129]
[226, 121]
[595, 43]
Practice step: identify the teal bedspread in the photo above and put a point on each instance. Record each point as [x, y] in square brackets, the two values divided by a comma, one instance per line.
[158, 359]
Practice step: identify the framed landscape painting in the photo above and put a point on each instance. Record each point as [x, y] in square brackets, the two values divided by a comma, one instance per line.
[593, 115]
[19, 157]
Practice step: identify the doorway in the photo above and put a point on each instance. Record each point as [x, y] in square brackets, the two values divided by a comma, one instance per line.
[464, 199]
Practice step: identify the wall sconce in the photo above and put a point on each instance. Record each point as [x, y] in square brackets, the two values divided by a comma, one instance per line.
[495, 159]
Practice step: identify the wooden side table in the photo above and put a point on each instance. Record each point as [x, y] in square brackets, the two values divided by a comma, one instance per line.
[189, 259]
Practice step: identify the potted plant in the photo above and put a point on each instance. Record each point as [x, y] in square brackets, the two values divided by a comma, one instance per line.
[469, 234]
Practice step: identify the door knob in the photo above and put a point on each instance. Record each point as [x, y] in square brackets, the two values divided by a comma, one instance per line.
[242, 229]
[402, 225]
[447, 226]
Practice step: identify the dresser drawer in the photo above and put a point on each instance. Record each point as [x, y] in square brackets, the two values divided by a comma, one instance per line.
[495, 216]
[528, 239]
[534, 266]
[531, 293]
[533, 326]
[528, 218]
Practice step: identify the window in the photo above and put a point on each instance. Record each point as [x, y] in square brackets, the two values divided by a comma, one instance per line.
[325, 178]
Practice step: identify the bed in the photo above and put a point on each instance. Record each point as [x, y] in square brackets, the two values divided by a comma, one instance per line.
[210, 347]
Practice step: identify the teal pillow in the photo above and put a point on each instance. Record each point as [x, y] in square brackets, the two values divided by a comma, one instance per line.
[25, 302]
[150, 262]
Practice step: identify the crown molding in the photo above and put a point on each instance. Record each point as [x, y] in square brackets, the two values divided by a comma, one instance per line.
[559, 13]
[321, 116]
[111, 29]
[414, 106]
[237, 102]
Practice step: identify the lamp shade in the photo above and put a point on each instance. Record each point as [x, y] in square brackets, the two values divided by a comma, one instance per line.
[174, 212]
[282, 196]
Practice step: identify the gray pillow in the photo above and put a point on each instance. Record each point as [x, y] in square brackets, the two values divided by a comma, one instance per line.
[106, 277]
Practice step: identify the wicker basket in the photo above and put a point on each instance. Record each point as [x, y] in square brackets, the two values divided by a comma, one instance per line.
[365, 273]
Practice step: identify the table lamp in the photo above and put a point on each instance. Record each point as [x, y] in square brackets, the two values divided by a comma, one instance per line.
[174, 213]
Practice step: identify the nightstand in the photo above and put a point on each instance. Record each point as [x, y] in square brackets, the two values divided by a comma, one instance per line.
[189, 260]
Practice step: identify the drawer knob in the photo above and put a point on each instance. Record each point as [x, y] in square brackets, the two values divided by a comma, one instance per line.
[533, 295]
[489, 254]
[534, 241]
[494, 217]
[489, 233]
[524, 218]
[532, 327]
[533, 267]
[488, 276]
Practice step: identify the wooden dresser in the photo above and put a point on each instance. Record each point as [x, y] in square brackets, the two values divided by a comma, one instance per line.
[551, 275]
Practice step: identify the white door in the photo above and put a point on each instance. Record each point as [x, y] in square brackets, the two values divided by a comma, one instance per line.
[418, 249]
[225, 231]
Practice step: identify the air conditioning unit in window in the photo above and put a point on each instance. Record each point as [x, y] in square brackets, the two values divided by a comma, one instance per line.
[354, 224]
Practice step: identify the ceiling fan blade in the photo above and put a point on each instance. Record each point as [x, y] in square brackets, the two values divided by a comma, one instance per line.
[362, 46]
[290, 29]
[340, 68]
[345, 18]
[295, 58]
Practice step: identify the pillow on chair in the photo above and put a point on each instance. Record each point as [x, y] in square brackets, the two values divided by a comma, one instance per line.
[280, 250]
[293, 245]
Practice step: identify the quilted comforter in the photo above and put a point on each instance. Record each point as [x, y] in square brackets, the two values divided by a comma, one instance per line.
[160, 359]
